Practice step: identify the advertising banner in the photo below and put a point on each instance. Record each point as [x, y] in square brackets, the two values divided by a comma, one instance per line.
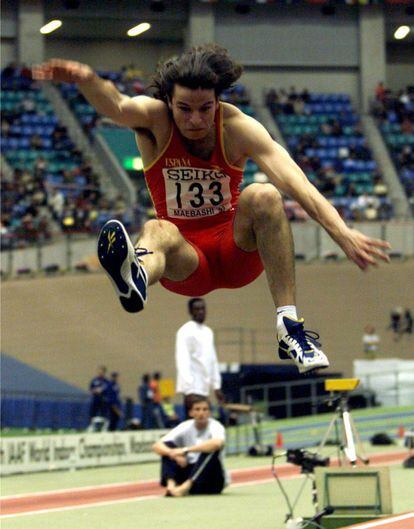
[54, 452]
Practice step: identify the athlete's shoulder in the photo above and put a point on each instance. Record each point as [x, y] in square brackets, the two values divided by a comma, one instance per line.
[230, 111]
[186, 426]
[235, 120]
[150, 102]
[155, 108]
[207, 328]
[239, 131]
[233, 113]
[216, 427]
[179, 430]
[188, 326]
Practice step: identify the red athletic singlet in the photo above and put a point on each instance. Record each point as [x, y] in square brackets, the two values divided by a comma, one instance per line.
[200, 198]
[190, 192]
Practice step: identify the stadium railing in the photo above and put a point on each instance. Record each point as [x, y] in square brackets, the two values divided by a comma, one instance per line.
[77, 251]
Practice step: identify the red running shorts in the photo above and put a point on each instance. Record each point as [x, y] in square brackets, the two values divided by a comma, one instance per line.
[221, 263]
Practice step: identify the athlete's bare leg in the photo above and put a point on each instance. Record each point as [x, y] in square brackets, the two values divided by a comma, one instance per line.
[171, 484]
[181, 490]
[261, 224]
[167, 254]
[173, 257]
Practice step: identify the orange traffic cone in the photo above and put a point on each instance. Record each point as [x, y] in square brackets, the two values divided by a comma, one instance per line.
[401, 432]
[279, 440]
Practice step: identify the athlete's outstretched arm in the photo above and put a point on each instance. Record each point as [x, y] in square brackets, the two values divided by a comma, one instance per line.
[287, 176]
[127, 111]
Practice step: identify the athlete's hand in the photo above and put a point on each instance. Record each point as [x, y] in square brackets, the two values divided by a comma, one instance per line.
[178, 455]
[181, 461]
[174, 452]
[364, 251]
[59, 70]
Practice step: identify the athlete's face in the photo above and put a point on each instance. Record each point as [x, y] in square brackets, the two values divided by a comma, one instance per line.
[198, 311]
[200, 412]
[193, 111]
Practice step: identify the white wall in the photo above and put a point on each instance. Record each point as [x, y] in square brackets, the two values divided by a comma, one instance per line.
[8, 34]
[321, 80]
[279, 36]
[400, 66]
[8, 51]
[399, 75]
[111, 54]
[281, 48]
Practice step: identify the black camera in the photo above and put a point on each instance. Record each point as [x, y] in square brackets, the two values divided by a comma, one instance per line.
[306, 460]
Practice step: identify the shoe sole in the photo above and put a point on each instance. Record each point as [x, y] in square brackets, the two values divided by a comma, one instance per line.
[312, 369]
[113, 253]
[283, 355]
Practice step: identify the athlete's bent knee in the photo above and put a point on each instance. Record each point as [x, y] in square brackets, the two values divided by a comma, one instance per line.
[266, 202]
[160, 225]
[166, 232]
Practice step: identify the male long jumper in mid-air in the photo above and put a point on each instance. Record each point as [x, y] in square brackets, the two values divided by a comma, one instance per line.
[208, 234]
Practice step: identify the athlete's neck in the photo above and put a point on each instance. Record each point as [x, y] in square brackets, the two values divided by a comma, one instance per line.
[202, 148]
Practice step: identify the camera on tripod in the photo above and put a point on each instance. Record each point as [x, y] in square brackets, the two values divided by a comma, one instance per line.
[306, 460]
[349, 451]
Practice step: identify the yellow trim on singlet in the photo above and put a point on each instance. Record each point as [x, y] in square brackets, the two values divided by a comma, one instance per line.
[150, 194]
[221, 139]
[148, 167]
[221, 135]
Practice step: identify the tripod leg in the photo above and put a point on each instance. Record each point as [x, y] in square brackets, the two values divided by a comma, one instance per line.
[350, 450]
[360, 450]
[328, 432]
[339, 444]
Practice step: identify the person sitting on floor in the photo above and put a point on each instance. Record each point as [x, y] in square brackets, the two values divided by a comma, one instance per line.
[192, 454]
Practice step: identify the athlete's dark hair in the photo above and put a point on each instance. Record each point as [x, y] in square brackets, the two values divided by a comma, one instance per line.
[196, 399]
[191, 303]
[207, 66]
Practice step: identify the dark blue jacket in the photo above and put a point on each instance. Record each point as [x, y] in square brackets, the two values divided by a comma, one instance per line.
[99, 383]
[112, 394]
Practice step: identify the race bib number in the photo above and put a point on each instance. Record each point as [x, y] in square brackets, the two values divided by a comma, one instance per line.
[194, 193]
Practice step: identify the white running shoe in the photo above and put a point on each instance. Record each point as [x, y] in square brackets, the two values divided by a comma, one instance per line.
[300, 346]
[119, 258]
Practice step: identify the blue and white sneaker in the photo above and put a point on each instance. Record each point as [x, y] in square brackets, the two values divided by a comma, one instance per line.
[119, 258]
[300, 346]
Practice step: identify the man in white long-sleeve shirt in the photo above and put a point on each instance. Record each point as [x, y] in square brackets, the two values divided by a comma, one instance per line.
[195, 356]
